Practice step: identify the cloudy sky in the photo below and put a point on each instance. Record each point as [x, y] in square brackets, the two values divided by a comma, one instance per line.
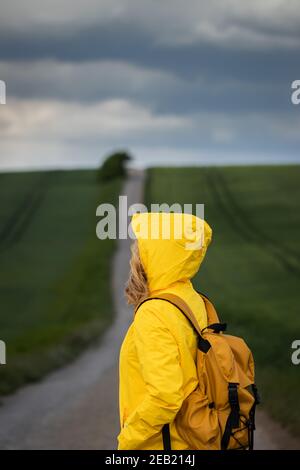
[173, 82]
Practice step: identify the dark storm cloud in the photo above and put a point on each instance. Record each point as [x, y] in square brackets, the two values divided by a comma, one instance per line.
[245, 78]
[259, 79]
[128, 42]
[223, 69]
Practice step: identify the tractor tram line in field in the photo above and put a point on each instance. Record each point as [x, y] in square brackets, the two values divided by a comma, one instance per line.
[24, 213]
[245, 227]
[255, 230]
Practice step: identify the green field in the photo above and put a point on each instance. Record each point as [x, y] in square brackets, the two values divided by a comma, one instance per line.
[55, 273]
[252, 269]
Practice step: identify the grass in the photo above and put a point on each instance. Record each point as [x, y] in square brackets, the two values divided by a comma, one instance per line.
[252, 267]
[55, 273]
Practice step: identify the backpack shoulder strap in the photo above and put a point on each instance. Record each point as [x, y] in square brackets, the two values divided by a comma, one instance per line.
[212, 316]
[179, 303]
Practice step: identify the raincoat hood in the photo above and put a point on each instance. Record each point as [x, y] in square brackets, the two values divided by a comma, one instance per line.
[172, 246]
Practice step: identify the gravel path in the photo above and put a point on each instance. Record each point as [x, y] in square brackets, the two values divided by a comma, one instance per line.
[76, 407]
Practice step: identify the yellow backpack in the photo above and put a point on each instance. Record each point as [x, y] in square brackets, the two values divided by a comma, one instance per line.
[220, 413]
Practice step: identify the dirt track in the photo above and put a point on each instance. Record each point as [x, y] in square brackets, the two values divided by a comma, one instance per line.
[76, 407]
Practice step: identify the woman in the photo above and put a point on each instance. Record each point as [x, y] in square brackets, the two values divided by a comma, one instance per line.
[157, 358]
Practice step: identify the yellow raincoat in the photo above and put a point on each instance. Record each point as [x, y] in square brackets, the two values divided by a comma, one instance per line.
[157, 358]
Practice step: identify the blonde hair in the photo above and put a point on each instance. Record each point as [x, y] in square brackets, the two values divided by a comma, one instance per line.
[136, 287]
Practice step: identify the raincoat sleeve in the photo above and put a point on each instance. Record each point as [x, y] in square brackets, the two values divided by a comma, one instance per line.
[158, 355]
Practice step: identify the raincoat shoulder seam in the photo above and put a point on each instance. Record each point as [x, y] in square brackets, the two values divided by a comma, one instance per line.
[159, 318]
